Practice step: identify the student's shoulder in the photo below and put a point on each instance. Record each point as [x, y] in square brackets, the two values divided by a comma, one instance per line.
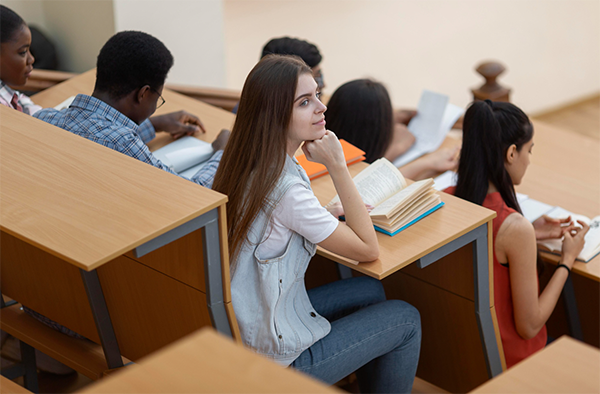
[515, 231]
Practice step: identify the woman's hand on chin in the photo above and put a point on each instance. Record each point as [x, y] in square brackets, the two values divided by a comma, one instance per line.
[327, 150]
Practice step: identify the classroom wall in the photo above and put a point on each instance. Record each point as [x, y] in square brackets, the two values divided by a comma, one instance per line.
[550, 48]
[192, 30]
[32, 11]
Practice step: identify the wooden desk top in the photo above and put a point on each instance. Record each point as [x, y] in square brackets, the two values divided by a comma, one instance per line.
[213, 118]
[92, 212]
[455, 218]
[565, 171]
[205, 362]
[564, 366]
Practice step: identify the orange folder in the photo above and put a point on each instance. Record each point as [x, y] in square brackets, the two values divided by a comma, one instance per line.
[315, 170]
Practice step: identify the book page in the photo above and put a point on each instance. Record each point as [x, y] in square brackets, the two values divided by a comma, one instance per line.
[184, 153]
[377, 182]
[65, 104]
[435, 117]
[533, 209]
[405, 194]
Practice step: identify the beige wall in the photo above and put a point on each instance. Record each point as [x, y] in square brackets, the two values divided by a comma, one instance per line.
[551, 48]
[32, 11]
[192, 30]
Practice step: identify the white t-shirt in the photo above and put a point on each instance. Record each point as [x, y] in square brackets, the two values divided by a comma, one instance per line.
[299, 211]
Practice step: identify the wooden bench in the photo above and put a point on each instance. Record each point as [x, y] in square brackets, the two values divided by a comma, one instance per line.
[7, 386]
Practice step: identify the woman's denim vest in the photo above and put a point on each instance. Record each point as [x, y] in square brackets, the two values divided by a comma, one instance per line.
[272, 307]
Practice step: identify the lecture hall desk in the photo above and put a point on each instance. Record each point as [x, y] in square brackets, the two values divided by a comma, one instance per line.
[450, 288]
[565, 366]
[124, 249]
[205, 362]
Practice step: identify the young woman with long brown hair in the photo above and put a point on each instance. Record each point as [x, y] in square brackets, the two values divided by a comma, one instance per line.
[274, 224]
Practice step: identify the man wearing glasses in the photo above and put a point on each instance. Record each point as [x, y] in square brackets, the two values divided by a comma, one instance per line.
[130, 73]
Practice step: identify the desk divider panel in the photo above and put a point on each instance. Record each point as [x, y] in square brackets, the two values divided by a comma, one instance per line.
[47, 285]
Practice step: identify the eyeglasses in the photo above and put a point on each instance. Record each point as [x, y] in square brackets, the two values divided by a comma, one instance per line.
[162, 99]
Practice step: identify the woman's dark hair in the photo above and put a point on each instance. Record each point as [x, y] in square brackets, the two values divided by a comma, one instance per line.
[293, 46]
[256, 151]
[10, 23]
[489, 129]
[130, 60]
[360, 112]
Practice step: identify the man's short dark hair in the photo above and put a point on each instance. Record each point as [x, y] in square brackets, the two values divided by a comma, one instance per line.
[130, 60]
[294, 46]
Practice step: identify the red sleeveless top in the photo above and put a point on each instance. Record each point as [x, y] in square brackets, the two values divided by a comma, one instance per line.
[515, 347]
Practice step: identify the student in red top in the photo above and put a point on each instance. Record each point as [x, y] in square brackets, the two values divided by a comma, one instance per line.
[497, 143]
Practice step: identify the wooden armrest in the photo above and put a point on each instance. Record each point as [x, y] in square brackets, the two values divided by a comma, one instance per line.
[82, 355]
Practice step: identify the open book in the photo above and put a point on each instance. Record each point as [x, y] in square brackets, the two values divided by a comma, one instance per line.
[435, 117]
[533, 209]
[397, 204]
[352, 154]
[185, 156]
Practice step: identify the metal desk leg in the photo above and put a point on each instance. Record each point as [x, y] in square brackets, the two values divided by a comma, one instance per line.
[571, 310]
[343, 271]
[104, 325]
[30, 381]
[213, 273]
[482, 304]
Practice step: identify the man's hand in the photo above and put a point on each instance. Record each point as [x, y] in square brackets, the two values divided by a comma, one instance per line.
[221, 140]
[178, 124]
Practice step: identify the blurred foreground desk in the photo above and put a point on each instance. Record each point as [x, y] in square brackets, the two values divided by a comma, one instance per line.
[442, 266]
[123, 253]
[205, 362]
[565, 366]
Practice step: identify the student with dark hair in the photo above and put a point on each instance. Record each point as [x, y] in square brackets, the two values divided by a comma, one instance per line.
[131, 70]
[16, 61]
[360, 112]
[497, 142]
[274, 223]
[295, 46]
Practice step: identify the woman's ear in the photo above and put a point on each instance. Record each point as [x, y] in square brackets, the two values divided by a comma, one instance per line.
[510, 153]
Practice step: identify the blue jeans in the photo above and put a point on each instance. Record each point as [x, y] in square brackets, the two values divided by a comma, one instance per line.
[379, 340]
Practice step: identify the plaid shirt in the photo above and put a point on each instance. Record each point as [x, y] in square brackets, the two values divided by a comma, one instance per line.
[7, 97]
[97, 121]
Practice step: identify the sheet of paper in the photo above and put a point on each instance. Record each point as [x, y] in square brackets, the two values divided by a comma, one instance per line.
[445, 180]
[65, 104]
[435, 117]
[533, 209]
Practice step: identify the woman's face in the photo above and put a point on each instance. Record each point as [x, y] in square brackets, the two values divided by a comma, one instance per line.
[518, 163]
[308, 119]
[16, 62]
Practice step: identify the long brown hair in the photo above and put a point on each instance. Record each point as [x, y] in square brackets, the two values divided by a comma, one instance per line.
[255, 154]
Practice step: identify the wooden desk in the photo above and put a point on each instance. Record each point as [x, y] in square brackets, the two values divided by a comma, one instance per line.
[446, 292]
[565, 366]
[205, 362]
[118, 252]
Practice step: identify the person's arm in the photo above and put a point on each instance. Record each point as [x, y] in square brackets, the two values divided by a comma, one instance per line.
[178, 124]
[356, 237]
[431, 164]
[516, 242]
[402, 140]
